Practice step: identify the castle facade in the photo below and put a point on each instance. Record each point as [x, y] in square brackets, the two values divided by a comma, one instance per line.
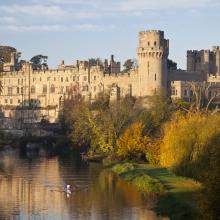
[28, 95]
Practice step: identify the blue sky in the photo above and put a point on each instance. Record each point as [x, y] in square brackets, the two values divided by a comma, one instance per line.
[80, 29]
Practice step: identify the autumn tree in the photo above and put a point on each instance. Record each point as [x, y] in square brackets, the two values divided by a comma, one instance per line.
[201, 95]
[132, 144]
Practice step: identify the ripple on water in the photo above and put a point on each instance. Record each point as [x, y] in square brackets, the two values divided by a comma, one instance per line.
[35, 189]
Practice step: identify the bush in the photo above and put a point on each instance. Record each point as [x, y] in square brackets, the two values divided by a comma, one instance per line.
[146, 183]
[123, 168]
[132, 144]
[191, 148]
[187, 139]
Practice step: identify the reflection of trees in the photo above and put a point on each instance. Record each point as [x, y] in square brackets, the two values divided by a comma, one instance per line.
[31, 193]
[26, 185]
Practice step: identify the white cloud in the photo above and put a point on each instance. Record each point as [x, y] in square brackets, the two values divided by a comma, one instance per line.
[133, 5]
[7, 20]
[56, 15]
[33, 10]
[55, 28]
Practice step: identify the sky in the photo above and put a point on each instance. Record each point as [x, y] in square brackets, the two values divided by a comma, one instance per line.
[80, 29]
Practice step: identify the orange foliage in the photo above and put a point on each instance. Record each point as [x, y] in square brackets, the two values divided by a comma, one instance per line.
[132, 144]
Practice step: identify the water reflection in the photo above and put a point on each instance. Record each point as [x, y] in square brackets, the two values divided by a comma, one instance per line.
[34, 189]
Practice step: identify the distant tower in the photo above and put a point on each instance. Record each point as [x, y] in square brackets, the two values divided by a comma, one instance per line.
[152, 52]
[216, 51]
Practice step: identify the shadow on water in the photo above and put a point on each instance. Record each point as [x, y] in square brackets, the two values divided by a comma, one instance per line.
[35, 188]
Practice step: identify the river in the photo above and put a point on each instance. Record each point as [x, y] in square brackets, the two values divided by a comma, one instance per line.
[34, 188]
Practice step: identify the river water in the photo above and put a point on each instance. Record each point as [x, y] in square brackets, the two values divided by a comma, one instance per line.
[34, 188]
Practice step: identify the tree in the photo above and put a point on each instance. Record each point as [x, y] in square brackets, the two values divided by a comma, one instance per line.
[132, 144]
[95, 62]
[128, 65]
[39, 62]
[171, 65]
[159, 110]
[201, 92]
[5, 53]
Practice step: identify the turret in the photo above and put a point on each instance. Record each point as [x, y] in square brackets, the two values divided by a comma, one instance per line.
[152, 53]
[216, 50]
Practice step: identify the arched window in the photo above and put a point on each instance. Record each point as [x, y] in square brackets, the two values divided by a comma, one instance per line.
[33, 90]
[52, 88]
[155, 77]
[44, 89]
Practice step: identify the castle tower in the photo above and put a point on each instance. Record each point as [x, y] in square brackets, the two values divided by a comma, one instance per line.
[152, 53]
[216, 51]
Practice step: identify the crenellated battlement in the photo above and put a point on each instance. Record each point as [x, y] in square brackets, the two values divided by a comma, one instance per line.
[156, 32]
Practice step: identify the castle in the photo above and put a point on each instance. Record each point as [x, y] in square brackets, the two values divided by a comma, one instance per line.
[28, 95]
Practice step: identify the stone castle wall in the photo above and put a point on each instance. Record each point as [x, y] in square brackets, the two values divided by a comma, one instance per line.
[207, 61]
[32, 95]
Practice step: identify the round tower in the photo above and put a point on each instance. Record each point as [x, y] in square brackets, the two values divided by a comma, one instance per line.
[152, 53]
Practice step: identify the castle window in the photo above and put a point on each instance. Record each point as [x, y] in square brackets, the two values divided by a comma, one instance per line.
[67, 80]
[21, 90]
[155, 43]
[19, 101]
[6, 101]
[18, 81]
[61, 89]
[148, 43]
[155, 77]
[17, 90]
[67, 89]
[33, 89]
[44, 89]
[94, 78]
[40, 79]
[94, 88]
[61, 79]
[9, 90]
[52, 89]
[85, 88]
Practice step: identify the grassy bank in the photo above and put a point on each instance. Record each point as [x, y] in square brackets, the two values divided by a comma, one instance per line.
[176, 195]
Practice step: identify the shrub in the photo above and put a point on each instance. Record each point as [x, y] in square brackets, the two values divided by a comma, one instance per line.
[146, 183]
[123, 168]
[191, 148]
[132, 144]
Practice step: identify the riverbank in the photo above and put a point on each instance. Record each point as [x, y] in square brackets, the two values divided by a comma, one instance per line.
[176, 196]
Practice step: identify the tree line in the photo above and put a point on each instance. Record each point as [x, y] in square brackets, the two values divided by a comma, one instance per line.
[174, 134]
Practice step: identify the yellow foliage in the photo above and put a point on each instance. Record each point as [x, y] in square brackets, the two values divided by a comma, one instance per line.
[186, 139]
[132, 144]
